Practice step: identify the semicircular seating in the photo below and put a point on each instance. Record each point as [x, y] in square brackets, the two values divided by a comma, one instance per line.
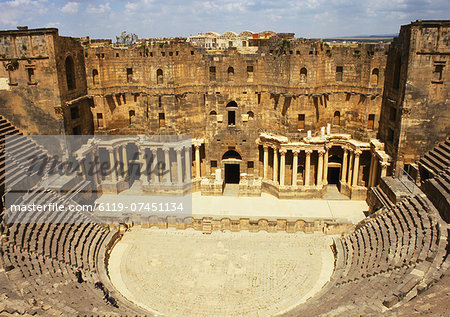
[389, 258]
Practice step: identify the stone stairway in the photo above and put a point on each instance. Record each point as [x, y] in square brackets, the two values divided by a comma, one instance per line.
[207, 226]
[436, 160]
[231, 190]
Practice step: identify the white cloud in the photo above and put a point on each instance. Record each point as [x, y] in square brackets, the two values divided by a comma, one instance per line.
[102, 8]
[17, 3]
[227, 5]
[53, 25]
[70, 8]
[12, 12]
[130, 6]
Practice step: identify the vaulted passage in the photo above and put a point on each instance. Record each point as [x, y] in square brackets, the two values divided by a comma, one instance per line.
[333, 175]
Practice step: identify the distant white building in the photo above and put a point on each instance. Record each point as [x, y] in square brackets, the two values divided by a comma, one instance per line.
[213, 40]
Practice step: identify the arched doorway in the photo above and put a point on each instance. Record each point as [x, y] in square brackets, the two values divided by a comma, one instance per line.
[231, 107]
[231, 161]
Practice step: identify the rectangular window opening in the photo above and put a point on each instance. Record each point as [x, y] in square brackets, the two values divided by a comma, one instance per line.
[301, 121]
[371, 121]
[129, 75]
[162, 120]
[231, 118]
[339, 73]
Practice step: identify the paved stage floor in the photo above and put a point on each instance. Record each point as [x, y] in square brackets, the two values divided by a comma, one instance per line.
[187, 273]
[266, 206]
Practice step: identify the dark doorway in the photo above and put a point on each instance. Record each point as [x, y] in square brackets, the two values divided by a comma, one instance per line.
[232, 173]
[333, 175]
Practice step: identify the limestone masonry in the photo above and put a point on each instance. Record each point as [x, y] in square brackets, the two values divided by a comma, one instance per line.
[287, 130]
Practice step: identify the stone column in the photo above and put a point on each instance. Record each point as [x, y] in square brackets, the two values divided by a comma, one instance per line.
[282, 166]
[307, 166]
[197, 160]
[118, 165]
[112, 165]
[344, 166]
[374, 171]
[179, 166]
[325, 167]
[125, 161]
[266, 161]
[356, 168]
[154, 173]
[320, 167]
[144, 167]
[82, 166]
[167, 163]
[350, 169]
[275, 165]
[187, 164]
[373, 159]
[295, 167]
[384, 166]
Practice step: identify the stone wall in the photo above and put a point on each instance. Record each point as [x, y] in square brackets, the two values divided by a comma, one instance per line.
[171, 87]
[415, 111]
[33, 82]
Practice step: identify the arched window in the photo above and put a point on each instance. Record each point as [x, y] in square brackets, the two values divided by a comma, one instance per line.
[251, 115]
[230, 73]
[232, 104]
[95, 77]
[303, 75]
[159, 76]
[231, 154]
[374, 77]
[337, 118]
[213, 113]
[70, 73]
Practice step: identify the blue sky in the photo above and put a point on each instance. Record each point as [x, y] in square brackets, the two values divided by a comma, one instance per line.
[154, 18]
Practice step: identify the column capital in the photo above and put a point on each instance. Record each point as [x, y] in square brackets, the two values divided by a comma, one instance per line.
[283, 151]
[321, 152]
[296, 151]
[384, 164]
[308, 152]
[358, 152]
[166, 149]
[197, 146]
[265, 147]
[179, 149]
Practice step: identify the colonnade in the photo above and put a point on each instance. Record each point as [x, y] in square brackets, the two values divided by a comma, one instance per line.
[147, 157]
[350, 166]
[157, 163]
[322, 169]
